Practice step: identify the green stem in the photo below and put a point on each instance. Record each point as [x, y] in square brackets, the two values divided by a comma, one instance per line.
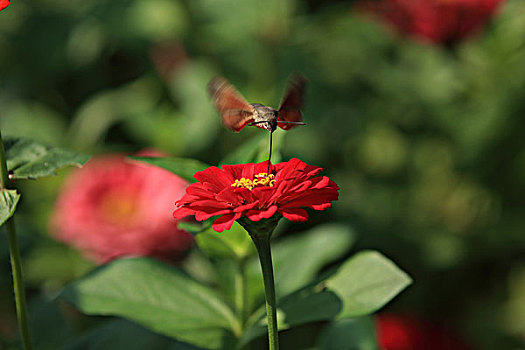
[262, 243]
[16, 265]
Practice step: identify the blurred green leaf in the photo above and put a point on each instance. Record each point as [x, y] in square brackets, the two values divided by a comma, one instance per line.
[234, 243]
[184, 167]
[194, 227]
[54, 264]
[122, 334]
[159, 297]
[50, 328]
[366, 282]
[256, 149]
[28, 159]
[199, 122]
[33, 120]
[8, 201]
[112, 106]
[349, 334]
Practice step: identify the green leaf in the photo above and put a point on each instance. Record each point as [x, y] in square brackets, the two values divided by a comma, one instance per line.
[234, 243]
[195, 228]
[183, 167]
[27, 159]
[8, 201]
[158, 297]
[122, 334]
[349, 334]
[297, 260]
[360, 286]
[366, 282]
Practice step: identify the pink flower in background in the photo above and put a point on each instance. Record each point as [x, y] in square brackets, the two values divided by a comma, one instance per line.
[436, 21]
[4, 4]
[114, 207]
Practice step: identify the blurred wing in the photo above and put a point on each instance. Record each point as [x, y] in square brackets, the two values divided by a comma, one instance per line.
[290, 108]
[234, 110]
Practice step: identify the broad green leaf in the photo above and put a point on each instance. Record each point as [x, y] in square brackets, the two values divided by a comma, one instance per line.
[158, 297]
[349, 334]
[234, 243]
[360, 286]
[27, 159]
[297, 260]
[366, 282]
[124, 335]
[183, 167]
[307, 305]
[8, 201]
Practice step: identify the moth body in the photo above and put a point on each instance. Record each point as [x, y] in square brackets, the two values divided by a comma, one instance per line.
[265, 117]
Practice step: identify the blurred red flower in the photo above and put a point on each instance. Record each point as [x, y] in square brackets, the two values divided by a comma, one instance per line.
[396, 332]
[114, 207]
[4, 4]
[436, 21]
[247, 190]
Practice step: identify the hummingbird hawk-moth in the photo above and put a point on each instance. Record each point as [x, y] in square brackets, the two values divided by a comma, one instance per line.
[236, 112]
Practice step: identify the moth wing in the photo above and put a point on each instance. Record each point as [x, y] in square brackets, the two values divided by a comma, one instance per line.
[290, 108]
[235, 111]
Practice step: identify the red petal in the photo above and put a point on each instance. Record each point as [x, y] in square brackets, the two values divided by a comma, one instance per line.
[230, 196]
[215, 176]
[294, 214]
[210, 203]
[225, 222]
[182, 212]
[309, 199]
[264, 195]
[4, 4]
[248, 171]
[321, 206]
[197, 190]
[235, 170]
[202, 215]
[261, 167]
[256, 215]
[245, 207]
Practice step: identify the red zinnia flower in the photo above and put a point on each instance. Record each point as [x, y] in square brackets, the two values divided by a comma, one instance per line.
[398, 332]
[436, 21]
[4, 4]
[246, 190]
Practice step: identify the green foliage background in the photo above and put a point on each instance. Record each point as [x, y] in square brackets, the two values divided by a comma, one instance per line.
[425, 141]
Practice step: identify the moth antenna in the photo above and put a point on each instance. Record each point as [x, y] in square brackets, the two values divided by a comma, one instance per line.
[286, 122]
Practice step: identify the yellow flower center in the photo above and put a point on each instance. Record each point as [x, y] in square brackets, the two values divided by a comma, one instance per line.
[118, 209]
[261, 179]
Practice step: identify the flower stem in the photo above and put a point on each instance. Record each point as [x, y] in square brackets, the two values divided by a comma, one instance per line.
[262, 243]
[16, 265]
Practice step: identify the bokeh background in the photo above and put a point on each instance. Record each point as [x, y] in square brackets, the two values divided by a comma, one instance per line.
[424, 135]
